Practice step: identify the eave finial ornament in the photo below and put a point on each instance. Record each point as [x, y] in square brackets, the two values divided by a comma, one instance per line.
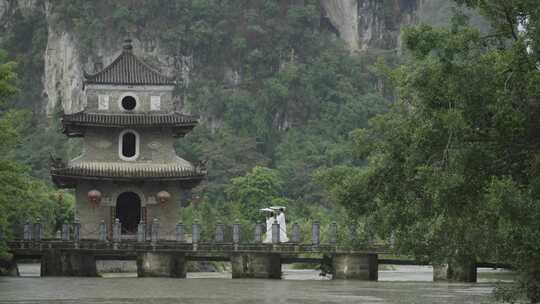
[128, 47]
[56, 162]
[201, 166]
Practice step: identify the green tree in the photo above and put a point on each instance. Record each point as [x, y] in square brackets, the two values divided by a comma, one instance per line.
[257, 189]
[7, 79]
[450, 172]
[22, 197]
[8, 133]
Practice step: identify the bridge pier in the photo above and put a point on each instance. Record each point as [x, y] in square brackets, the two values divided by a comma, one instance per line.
[256, 265]
[8, 267]
[458, 271]
[152, 264]
[355, 266]
[70, 264]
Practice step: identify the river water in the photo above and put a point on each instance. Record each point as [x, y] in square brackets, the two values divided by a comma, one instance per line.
[404, 284]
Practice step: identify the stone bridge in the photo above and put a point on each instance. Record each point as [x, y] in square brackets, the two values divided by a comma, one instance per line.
[168, 258]
[166, 254]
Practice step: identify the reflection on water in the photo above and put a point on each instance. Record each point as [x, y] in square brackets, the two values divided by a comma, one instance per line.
[215, 288]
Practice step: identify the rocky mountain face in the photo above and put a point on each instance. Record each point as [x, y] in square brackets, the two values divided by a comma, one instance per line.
[365, 24]
[362, 24]
[65, 62]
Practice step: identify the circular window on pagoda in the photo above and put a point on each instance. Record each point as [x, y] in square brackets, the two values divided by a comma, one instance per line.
[129, 103]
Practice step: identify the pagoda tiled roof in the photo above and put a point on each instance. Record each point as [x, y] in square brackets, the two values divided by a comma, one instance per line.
[76, 122]
[127, 69]
[129, 119]
[67, 175]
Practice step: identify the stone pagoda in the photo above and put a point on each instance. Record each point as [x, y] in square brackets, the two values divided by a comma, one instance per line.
[129, 169]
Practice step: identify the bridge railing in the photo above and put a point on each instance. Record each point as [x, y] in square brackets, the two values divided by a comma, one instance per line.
[222, 234]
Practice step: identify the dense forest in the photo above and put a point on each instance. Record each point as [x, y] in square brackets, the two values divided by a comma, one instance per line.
[426, 137]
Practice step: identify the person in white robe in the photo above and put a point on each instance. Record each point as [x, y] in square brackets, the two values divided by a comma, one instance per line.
[270, 218]
[282, 226]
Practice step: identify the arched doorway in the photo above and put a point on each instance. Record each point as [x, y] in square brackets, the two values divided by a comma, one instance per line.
[128, 211]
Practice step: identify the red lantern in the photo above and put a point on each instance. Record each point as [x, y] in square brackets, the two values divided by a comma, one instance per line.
[163, 196]
[94, 197]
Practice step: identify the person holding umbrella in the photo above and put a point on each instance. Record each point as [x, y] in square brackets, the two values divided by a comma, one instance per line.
[270, 218]
[280, 210]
